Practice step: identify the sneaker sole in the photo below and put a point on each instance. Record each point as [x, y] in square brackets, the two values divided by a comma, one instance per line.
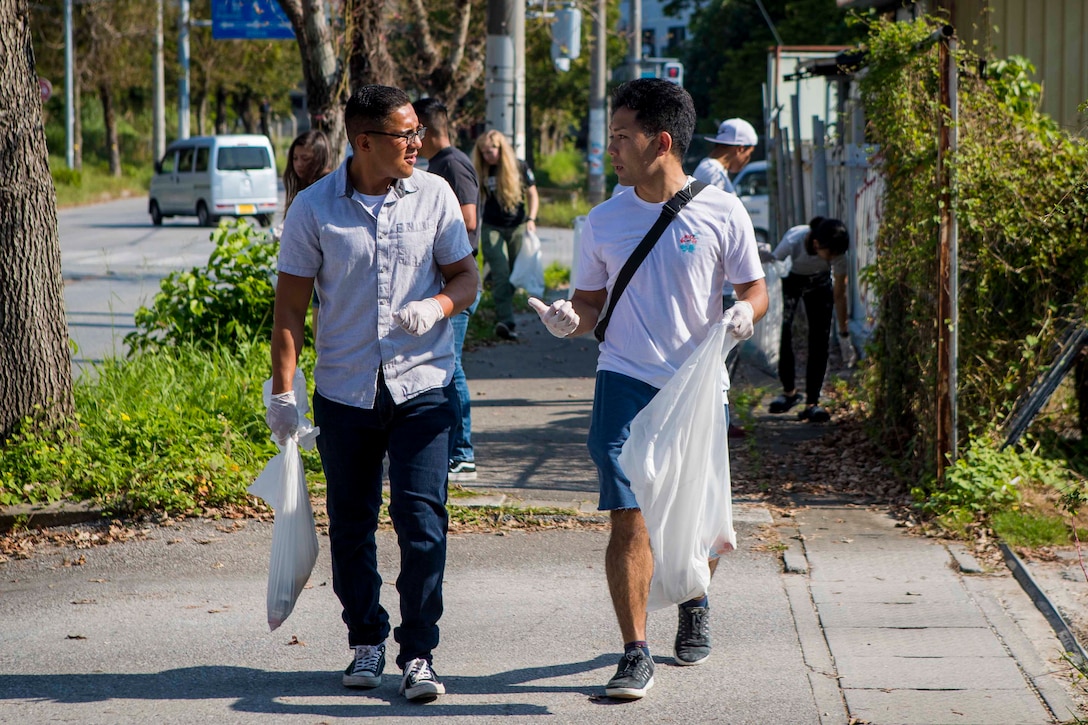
[467, 476]
[686, 663]
[629, 693]
[425, 691]
[358, 681]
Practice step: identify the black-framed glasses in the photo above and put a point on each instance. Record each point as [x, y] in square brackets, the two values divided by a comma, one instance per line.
[418, 133]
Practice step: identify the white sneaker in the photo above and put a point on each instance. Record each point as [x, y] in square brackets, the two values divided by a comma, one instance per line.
[420, 682]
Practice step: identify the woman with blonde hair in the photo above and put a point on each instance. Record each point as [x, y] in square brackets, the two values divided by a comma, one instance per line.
[510, 204]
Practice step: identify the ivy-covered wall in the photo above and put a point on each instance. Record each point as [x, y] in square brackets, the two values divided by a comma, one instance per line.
[1022, 209]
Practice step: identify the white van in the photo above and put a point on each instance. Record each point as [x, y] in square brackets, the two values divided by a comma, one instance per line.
[752, 189]
[214, 176]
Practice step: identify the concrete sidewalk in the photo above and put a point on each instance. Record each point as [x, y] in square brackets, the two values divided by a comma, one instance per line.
[829, 615]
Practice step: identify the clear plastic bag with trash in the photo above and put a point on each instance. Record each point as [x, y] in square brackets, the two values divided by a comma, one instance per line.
[282, 485]
[677, 458]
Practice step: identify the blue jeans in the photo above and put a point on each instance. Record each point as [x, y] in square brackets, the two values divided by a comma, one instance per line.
[617, 399]
[353, 443]
[460, 399]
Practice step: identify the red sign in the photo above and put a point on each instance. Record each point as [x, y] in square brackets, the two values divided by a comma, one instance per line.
[46, 88]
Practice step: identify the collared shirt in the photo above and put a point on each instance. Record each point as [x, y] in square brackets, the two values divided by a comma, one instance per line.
[711, 171]
[366, 268]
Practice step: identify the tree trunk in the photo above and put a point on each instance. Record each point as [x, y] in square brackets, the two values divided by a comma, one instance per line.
[266, 118]
[326, 94]
[370, 59]
[220, 110]
[113, 149]
[201, 103]
[243, 107]
[35, 367]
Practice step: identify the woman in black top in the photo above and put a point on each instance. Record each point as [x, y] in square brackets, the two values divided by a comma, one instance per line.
[510, 204]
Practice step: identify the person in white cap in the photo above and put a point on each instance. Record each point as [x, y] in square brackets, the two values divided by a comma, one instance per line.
[731, 150]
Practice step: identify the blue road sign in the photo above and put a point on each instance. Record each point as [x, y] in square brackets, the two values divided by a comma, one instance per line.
[250, 20]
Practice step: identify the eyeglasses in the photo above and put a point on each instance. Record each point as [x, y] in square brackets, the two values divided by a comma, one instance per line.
[409, 136]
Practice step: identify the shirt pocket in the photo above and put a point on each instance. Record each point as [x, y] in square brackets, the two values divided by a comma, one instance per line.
[415, 242]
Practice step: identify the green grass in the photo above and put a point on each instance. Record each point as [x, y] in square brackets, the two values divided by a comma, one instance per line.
[561, 213]
[1031, 530]
[94, 184]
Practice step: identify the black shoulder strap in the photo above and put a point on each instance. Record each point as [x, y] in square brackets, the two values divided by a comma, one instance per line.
[668, 213]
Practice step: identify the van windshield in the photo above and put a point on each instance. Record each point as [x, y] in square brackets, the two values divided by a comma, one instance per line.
[242, 158]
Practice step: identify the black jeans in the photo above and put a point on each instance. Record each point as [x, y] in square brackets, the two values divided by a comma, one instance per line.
[816, 292]
[353, 443]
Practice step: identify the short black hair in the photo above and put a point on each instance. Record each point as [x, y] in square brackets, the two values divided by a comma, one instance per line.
[371, 106]
[829, 234]
[432, 113]
[659, 105]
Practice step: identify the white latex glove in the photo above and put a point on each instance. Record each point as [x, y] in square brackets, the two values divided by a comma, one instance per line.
[282, 416]
[846, 347]
[740, 320]
[420, 316]
[560, 318]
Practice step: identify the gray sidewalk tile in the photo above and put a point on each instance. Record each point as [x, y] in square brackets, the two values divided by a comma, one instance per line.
[929, 673]
[977, 707]
[863, 566]
[901, 616]
[932, 642]
[904, 592]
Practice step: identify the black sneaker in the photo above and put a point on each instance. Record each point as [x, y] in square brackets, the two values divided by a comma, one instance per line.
[420, 683]
[634, 676]
[692, 636]
[505, 330]
[784, 402]
[815, 414]
[462, 471]
[366, 669]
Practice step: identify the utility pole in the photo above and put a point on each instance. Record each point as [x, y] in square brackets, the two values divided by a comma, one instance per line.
[69, 92]
[634, 48]
[158, 132]
[597, 112]
[499, 70]
[183, 77]
[947, 255]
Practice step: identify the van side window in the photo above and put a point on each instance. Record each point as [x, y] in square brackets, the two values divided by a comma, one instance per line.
[167, 163]
[242, 158]
[754, 184]
[202, 154]
[185, 160]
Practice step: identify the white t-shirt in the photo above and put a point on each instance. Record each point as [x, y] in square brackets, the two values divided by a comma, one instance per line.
[803, 263]
[674, 297]
[712, 172]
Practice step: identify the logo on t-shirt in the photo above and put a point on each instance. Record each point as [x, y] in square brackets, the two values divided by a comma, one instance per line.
[687, 243]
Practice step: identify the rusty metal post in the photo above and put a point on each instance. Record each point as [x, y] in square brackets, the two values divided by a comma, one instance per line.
[948, 256]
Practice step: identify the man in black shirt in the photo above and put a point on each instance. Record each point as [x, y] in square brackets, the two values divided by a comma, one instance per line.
[454, 166]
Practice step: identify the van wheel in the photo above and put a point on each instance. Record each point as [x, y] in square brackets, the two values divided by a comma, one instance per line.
[203, 217]
[265, 220]
[156, 214]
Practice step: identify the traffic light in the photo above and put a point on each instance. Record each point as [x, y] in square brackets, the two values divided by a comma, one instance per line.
[673, 71]
[566, 36]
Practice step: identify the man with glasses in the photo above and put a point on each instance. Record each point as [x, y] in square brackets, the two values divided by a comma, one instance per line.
[389, 253]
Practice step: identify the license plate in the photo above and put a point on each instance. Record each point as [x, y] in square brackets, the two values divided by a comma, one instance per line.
[247, 209]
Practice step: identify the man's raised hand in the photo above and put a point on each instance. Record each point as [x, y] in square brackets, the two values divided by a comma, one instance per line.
[559, 317]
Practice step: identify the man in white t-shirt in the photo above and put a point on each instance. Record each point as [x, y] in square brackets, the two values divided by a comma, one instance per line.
[730, 151]
[670, 306]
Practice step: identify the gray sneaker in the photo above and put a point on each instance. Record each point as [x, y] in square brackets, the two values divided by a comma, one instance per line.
[420, 682]
[634, 676]
[692, 636]
[366, 669]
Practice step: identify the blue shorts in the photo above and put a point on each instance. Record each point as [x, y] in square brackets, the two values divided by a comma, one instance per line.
[617, 399]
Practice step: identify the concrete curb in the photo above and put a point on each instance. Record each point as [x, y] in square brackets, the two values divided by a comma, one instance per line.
[1044, 605]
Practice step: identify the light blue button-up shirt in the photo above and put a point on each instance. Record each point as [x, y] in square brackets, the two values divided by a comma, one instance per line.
[367, 267]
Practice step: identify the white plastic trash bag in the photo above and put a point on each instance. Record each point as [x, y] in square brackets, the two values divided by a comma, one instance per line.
[677, 458]
[528, 271]
[282, 485]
